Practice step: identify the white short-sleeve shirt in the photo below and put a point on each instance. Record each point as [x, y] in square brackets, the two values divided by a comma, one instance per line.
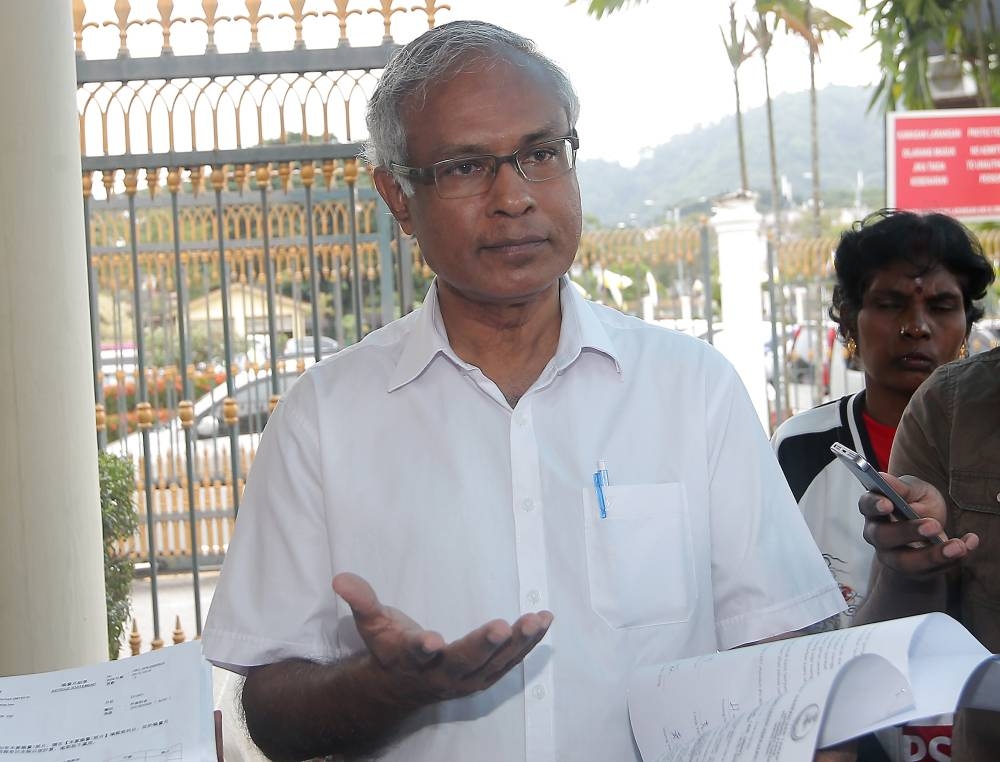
[396, 460]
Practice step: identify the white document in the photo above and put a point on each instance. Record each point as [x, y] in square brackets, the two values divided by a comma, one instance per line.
[154, 707]
[780, 701]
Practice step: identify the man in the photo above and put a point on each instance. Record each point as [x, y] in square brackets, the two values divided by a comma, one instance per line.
[949, 436]
[451, 462]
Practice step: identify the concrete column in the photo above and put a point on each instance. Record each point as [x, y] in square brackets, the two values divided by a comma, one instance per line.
[742, 257]
[51, 562]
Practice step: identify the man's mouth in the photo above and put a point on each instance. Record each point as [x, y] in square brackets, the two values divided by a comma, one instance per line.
[514, 245]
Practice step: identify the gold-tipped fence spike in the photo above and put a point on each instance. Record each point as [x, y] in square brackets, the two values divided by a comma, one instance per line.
[185, 411]
[135, 639]
[88, 184]
[230, 411]
[144, 414]
[329, 169]
[253, 17]
[386, 10]
[263, 175]
[156, 645]
[173, 180]
[131, 181]
[298, 17]
[350, 171]
[79, 13]
[218, 178]
[307, 174]
[197, 179]
[240, 175]
[178, 635]
[342, 14]
[166, 9]
[108, 181]
[431, 8]
[153, 181]
[285, 174]
[122, 8]
[210, 20]
[100, 417]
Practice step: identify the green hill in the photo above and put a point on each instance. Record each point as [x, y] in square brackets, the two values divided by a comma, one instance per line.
[703, 163]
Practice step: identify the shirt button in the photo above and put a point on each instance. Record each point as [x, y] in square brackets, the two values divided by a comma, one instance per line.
[528, 505]
[534, 597]
[538, 692]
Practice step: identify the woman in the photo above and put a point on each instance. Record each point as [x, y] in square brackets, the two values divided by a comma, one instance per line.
[904, 302]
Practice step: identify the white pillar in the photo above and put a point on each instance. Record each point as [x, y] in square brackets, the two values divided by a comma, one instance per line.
[742, 257]
[51, 562]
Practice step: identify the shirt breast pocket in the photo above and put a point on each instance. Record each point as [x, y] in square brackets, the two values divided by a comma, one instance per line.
[640, 565]
[977, 491]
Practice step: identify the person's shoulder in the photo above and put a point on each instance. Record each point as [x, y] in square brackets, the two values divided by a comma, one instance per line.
[362, 365]
[822, 418]
[979, 374]
[630, 332]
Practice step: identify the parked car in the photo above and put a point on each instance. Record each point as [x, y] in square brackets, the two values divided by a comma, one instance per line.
[215, 486]
[306, 346]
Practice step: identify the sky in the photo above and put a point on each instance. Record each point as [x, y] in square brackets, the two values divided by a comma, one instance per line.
[659, 69]
[644, 74]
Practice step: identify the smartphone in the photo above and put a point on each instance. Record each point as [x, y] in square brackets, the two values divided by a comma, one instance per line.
[872, 480]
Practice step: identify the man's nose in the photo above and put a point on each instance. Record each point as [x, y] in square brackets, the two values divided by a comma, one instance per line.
[511, 194]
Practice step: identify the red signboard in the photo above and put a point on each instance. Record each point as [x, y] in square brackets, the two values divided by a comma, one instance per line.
[946, 161]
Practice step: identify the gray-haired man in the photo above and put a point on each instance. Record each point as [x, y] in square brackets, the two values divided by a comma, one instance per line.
[510, 450]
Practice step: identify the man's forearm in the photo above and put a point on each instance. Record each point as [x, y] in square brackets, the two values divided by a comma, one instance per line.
[299, 709]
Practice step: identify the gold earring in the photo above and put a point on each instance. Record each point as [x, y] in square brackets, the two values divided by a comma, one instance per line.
[963, 351]
[851, 347]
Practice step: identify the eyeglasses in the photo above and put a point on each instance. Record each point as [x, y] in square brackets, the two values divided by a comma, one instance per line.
[473, 175]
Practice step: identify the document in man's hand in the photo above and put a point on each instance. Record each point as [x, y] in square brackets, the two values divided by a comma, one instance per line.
[154, 707]
[781, 701]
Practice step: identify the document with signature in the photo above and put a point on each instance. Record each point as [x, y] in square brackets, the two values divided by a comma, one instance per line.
[157, 706]
[781, 701]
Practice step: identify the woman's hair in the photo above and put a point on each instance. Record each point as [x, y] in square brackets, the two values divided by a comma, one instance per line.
[925, 241]
[433, 57]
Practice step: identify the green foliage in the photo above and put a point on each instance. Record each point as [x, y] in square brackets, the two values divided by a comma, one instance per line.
[804, 19]
[203, 349]
[908, 31]
[598, 8]
[117, 480]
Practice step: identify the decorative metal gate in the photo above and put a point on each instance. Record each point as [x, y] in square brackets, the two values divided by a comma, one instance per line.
[233, 237]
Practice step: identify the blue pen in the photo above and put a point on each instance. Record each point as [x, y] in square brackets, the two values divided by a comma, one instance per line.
[600, 482]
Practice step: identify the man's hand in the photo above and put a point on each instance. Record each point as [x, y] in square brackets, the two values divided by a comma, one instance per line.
[902, 545]
[298, 709]
[419, 664]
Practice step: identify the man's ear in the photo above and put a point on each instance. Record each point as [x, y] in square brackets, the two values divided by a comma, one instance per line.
[392, 193]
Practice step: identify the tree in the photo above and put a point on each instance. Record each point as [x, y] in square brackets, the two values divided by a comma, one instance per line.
[599, 8]
[738, 54]
[802, 18]
[763, 36]
[908, 33]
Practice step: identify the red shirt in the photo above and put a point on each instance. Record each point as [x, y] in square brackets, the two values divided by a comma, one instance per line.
[881, 437]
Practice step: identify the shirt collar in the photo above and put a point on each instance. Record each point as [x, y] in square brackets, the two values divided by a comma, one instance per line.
[581, 330]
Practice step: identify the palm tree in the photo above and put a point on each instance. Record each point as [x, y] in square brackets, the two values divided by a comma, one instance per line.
[738, 54]
[802, 18]
[764, 37]
[600, 7]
